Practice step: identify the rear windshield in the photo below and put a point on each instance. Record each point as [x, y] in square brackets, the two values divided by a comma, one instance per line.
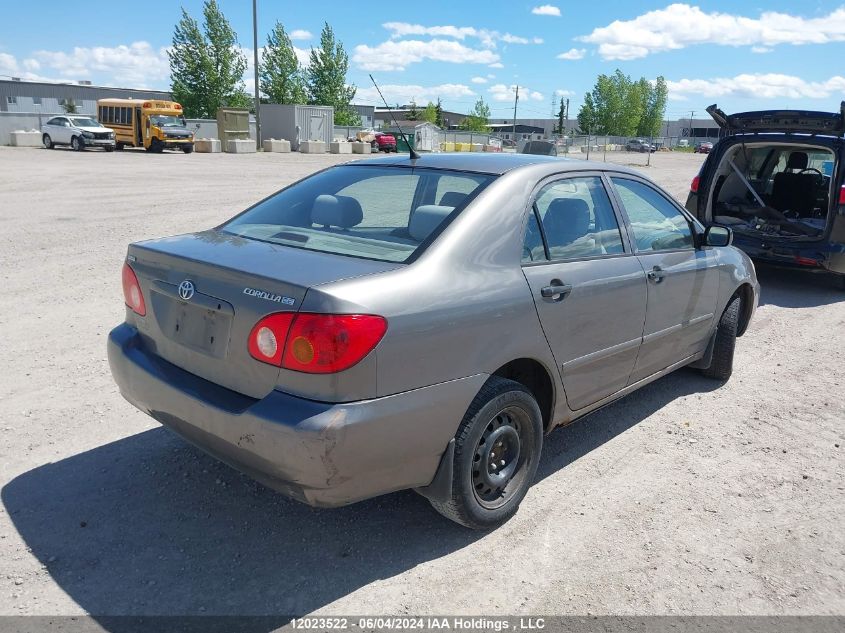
[382, 213]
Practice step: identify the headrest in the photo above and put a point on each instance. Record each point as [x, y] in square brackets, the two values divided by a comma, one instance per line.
[426, 219]
[452, 198]
[340, 211]
[571, 211]
[797, 160]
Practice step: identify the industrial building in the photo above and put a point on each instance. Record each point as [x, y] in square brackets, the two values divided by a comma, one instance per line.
[49, 98]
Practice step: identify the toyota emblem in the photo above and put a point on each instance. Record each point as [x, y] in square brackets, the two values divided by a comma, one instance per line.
[186, 290]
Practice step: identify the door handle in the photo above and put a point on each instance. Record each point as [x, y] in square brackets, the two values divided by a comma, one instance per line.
[556, 289]
[656, 275]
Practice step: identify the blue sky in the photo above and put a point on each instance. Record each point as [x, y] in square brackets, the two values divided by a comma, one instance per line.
[742, 55]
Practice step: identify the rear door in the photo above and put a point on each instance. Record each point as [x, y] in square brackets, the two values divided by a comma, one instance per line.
[588, 287]
[682, 279]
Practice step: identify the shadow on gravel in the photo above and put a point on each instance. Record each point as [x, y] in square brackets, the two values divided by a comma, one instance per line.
[789, 288]
[149, 525]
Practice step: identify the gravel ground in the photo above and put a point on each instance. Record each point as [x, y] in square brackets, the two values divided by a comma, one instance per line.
[687, 497]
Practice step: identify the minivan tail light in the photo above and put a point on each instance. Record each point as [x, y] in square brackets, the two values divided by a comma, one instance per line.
[132, 294]
[842, 196]
[694, 184]
[315, 343]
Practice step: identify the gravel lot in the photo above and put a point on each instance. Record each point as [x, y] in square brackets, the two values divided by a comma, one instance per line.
[686, 497]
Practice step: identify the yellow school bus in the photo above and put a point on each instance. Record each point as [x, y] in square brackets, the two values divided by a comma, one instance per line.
[149, 123]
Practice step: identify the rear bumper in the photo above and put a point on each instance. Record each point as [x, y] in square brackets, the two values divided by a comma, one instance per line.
[322, 454]
[811, 256]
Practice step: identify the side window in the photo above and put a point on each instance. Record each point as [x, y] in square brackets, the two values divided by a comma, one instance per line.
[578, 219]
[532, 247]
[656, 223]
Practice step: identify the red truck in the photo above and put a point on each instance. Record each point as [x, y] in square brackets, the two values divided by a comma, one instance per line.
[384, 142]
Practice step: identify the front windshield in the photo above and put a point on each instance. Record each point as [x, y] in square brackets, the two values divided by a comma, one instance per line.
[163, 120]
[84, 122]
[378, 213]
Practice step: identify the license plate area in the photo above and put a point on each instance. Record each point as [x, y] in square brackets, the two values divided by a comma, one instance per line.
[203, 328]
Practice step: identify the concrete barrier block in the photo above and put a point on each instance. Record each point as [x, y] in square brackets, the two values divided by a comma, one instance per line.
[21, 138]
[241, 146]
[476, 147]
[312, 147]
[207, 145]
[276, 145]
[448, 147]
[361, 148]
[340, 147]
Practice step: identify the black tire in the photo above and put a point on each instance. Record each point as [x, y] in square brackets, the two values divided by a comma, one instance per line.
[119, 147]
[77, 144]
[108, 148]
[48, 142]
[721, 365]
[505, 420]
[187, 148]
[155, 147]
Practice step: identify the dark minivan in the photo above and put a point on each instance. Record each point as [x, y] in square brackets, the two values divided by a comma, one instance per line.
[776, 179]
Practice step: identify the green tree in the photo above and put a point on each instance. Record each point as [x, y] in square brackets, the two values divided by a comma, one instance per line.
[438, 112]
[476, 119]
[430, 113]
[655, 109]
[281, 74]
[69, 106]
[561, 113]
[326, 78]
[619, 106]
[207, 64]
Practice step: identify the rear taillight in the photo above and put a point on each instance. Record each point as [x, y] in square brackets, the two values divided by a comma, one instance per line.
[132, 294]
[694, 184]
[315, 343]
[267, 339]
[842, 196]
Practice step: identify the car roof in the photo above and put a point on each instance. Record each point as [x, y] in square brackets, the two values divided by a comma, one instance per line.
[495, 163]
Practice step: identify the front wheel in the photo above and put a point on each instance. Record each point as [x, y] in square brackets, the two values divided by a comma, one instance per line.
[187, 148]
[48, 142]
[108, 148]
[497, 450]
[77, 144]
[721, 365]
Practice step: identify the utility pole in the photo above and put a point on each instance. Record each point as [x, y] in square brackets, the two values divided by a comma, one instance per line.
[691, 115]
[255, 64]
[515, 101]
[566, 116]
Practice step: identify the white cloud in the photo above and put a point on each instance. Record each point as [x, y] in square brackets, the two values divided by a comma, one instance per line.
[496, 65]
[399, 93]
[761, 49]
[479, 80]
[396, 55]
[681, 25]
[564, 93]
[487, 37]
[491, 76]
[135, 65]
[501, 92]
[573, 53]
[756, 86]
[546, 9]
[301, 34]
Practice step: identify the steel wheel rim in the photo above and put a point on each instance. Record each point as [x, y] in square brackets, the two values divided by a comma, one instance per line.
[500, 458]
[47, 141]
[75, 143]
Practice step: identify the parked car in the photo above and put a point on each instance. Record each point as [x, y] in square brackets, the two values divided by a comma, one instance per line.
[384, 142]
[703, 147]
[336, 347]
[540, 148]
[78, 131]
[777, 181]
[638, 145]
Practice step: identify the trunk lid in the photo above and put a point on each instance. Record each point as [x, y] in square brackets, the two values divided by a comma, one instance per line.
[798, 121]
[205, 292]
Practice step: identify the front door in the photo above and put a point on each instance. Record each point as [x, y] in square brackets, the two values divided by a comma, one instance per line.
[682, 280]
[588, 287]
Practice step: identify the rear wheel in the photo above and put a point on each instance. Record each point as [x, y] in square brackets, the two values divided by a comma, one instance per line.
[48, 142]
[497, 450]
[187, 148]
[77, 144]
[721, 365]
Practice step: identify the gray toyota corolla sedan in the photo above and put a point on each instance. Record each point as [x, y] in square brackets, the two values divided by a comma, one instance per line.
[398, 323]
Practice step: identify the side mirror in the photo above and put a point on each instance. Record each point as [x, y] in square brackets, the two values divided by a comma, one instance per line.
[718, 236]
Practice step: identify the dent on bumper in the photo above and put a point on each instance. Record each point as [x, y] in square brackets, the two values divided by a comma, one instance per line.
[320, 453]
